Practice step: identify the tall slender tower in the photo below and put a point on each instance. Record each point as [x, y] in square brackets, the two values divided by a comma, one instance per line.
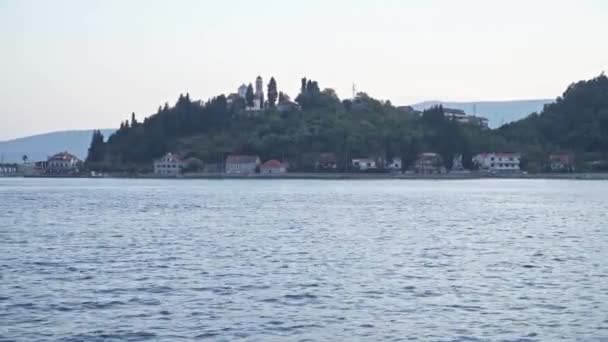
[259, 93]
[259, 87]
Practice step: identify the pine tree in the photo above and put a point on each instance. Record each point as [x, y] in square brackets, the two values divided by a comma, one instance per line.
[303, 87]
[272, 92]
[133, 120]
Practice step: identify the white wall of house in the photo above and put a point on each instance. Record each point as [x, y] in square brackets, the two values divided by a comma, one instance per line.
[394, 165]
[236, 168]
[364, 164]
[168, 166]
[498, 162]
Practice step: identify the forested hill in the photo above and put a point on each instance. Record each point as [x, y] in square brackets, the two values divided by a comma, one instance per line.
[359, 127]
[577, 121]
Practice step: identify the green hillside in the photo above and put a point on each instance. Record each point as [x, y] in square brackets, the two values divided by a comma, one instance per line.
[359, 127]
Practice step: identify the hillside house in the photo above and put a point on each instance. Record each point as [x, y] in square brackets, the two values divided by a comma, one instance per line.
[273, 167]
[394, 164]
[364, 164]
[497, 162]
[242, 164]
[327, 162]
[429, 163]
[169, 165]
[63, 163]
[8, 169]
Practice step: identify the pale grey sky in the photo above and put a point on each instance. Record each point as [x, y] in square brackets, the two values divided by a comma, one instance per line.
[89, 64]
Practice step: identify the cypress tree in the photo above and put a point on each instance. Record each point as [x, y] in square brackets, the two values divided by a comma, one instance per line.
[272, 92]
[249, 96]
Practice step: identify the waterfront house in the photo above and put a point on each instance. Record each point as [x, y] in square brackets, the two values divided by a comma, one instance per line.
[8, 169]
[394, 164]
[169, 165]
[428, 163]
[327, 162]
[364, 164]
[562, 162]
[242, 164]
[273, 167]
[63, 163]
[497, 162]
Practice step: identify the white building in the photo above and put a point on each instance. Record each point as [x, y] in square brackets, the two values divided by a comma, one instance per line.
[242, 91]
[63, 162]
[242, 164]
[169, 165]
[8, 169]
[497, 162]
[393, 165]
[455, 114]
[364, 164]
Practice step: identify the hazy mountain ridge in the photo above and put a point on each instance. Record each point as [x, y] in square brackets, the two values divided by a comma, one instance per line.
[497, 112]
[40, 146]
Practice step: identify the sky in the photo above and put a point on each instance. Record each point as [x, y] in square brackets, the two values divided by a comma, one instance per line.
[83, 64]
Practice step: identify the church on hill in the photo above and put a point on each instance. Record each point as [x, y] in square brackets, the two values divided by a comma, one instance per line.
[258, 94]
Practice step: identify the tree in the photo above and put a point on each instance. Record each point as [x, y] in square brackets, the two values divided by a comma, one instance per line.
[272, 92]
[249, 96]
[283, 97]
[133, 120]
[24, 158]
[303, 86]
[96, 149]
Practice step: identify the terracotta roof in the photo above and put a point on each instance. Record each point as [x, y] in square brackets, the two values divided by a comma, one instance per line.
[241, 159]
[272, 164]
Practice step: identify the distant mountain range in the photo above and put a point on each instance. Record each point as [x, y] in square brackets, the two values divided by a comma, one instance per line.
[497, 112]
[39, 147]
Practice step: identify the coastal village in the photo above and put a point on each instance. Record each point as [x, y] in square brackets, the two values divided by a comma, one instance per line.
[428, 163]
[66, 164]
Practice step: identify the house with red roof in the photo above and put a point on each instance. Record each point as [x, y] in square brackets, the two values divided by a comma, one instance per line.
[273, 167]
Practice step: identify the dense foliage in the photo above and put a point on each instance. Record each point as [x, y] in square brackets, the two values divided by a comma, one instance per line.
[359, 127]
[576, 123]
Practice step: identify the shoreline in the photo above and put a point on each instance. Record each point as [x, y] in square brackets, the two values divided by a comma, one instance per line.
[343, 176]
